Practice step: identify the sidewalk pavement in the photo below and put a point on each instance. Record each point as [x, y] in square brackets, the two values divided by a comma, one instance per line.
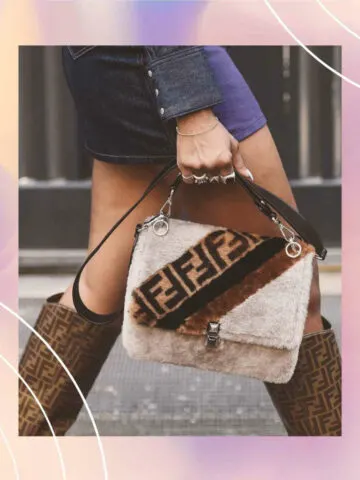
[133, 398]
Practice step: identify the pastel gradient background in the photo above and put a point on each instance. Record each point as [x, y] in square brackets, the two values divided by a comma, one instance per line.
[166, 22]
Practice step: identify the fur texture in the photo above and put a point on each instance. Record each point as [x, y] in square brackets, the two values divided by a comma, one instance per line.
[262, 315]
[152, 344]
[274, 316]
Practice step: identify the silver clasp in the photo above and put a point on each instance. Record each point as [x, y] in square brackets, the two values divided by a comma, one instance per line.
[287, 233]
[293, 248]
[212, 334]
[166, 208]
[160, 224]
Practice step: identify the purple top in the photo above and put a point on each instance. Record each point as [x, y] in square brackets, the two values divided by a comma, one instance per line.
[239, 112]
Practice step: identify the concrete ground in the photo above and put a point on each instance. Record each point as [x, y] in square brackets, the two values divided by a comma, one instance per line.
[140, 398]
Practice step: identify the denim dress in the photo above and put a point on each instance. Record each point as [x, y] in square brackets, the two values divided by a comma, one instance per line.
[128, 97]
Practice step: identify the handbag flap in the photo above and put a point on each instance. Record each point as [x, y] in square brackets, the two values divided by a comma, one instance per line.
[197, 274]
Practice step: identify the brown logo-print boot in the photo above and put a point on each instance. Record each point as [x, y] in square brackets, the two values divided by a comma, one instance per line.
[82, 346]
[310, 404]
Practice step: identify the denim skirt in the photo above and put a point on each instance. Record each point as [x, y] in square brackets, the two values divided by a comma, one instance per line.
[118, 117]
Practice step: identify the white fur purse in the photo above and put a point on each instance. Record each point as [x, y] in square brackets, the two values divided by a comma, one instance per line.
[212, 298]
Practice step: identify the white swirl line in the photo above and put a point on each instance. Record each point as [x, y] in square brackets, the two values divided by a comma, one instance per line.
[101, 448]
[298, 41]
[11, 453]
[334, 17]
[43, 412]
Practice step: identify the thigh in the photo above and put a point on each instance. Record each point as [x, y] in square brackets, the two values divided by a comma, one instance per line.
[115, 188]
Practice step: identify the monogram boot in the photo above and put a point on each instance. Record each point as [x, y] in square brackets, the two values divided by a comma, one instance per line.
[82, 346]
[310, 404]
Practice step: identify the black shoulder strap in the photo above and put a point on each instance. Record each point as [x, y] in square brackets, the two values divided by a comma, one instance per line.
[268, 203]
[271, 205]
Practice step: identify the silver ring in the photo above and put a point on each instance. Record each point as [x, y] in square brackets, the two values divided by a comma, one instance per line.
[202, 179]
[215, 179]
[293, 249]
[188, 179]
[225, 178]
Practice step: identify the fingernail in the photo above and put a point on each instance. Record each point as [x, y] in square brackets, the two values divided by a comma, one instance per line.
[249, 174]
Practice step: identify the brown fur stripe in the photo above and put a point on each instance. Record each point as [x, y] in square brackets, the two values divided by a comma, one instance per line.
[218, 307]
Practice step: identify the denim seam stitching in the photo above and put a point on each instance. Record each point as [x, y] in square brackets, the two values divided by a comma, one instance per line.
[171, 56]
[154, 99]
[81, 52]
[193, 109]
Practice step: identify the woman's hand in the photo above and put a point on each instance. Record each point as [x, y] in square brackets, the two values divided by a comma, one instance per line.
[214, 152]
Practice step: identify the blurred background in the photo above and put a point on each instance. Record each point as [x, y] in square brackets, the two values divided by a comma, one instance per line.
[302, 102]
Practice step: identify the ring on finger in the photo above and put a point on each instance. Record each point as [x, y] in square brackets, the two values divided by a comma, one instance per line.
[201, 179]
[214, 179]
[188, 179]
[226, 178]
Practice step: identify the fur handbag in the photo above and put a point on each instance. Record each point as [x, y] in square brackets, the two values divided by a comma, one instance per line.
[212, 298]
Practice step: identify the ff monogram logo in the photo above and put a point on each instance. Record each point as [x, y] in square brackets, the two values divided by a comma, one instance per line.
[172, 285]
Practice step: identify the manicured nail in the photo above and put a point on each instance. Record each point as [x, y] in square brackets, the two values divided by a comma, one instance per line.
[249, 174]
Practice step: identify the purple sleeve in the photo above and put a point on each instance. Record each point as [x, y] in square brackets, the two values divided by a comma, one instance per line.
[239, 110]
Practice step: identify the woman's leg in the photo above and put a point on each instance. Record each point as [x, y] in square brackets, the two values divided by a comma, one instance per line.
[115, 189]
[83, 346]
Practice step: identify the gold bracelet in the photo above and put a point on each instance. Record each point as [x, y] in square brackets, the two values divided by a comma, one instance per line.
[211, 127]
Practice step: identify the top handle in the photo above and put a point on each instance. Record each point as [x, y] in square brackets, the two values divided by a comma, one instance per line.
[270, 205]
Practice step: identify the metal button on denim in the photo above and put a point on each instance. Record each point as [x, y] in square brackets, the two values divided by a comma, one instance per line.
[150, 73]
[162, 111]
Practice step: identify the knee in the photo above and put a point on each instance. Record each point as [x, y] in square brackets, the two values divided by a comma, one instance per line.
[100, 298]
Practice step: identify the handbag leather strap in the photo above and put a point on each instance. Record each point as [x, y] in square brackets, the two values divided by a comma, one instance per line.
[268, 203]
